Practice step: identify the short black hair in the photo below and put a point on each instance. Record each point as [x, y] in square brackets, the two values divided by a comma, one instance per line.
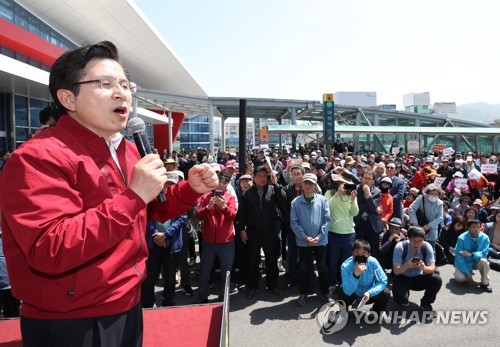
[473, 221]
[363, 244]
[258, 169]
[416, 231]
[69, 68]
[48, 112]
[223, 176]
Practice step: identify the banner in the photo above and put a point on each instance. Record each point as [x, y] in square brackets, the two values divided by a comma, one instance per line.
[460, 182]
[263, 136]
[489, 168]
[448, 152]
[413, 147]
[440, 180]
[439, 148]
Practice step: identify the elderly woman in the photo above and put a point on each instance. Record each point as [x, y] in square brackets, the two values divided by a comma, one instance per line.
[432, 208]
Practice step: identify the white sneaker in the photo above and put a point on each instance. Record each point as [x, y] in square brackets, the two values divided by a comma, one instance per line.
[385, 318]
[281, 268]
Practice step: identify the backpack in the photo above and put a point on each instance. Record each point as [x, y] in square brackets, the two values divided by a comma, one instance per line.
[424, 253]
[405, 244]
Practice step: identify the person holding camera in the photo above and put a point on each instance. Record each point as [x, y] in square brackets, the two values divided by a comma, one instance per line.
[368, 221]
[363, 280]
[415, 269]
[343, 207]
[218, 212]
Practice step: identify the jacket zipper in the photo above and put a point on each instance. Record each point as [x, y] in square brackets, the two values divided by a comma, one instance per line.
[123, 174]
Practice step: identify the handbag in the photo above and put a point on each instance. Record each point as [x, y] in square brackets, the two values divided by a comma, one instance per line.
[420, 214]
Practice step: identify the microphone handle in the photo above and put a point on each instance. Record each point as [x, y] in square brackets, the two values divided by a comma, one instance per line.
[142, 144]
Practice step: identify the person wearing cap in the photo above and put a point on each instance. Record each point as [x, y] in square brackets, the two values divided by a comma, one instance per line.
[165, 244]
[368, 222]
[494, 210]
[241, 249]
[451, 187]
[419, 180]
[257, 222]
[470, 164]
[481, 214]
[492, 229]
[343, 208]
[170, 164]
[388, 241]
[386, 201]
[349, 162]
[292, 191]
[397, 190]
[217, 211]
[471, 253]
[379, 172]
[310, 222]
[360, 168]
[445, 171]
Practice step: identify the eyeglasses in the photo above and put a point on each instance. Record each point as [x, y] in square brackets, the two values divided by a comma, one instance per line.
[108, 83]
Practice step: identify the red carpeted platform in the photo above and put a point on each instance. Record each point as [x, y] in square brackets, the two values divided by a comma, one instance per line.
[175, 326]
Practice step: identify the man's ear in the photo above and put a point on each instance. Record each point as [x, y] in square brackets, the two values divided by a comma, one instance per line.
[67, 99]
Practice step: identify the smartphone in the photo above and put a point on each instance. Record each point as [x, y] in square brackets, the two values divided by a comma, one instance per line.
[358, 303]
[360, 259]
[218, 193]
[415, 260]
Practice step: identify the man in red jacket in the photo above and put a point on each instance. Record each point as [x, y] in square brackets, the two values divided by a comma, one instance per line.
[74, 210]
[217, 211]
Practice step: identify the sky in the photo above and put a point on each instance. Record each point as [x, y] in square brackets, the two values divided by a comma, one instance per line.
[301, 49]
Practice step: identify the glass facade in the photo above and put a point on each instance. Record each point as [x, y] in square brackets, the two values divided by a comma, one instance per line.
[15, 13]
[382, 142]
[19, 114]
[195, 132]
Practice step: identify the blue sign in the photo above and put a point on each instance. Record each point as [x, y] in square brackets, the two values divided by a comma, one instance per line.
[328, 121]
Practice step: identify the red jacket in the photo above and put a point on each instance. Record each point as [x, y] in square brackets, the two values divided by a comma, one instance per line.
[218, 224]
[419, 180]
[74, 235]
[387, 206]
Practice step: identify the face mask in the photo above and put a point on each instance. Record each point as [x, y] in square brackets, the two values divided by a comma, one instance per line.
[433, 198]
[384, 190]
[457, 166]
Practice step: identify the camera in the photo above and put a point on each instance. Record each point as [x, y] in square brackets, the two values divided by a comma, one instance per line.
[218, 193]
[350, 187]
[415, 260]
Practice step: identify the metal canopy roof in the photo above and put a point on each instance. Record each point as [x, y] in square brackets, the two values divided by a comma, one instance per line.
[346, 129]
[260, 108]
[144, 52]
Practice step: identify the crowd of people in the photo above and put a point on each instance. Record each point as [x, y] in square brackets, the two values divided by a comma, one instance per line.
[399, 215]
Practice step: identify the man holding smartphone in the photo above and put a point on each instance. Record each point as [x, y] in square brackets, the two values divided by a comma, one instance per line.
[363, 280]
[415, 269]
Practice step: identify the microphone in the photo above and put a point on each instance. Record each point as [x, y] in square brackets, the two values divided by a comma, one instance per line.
[137, 127]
